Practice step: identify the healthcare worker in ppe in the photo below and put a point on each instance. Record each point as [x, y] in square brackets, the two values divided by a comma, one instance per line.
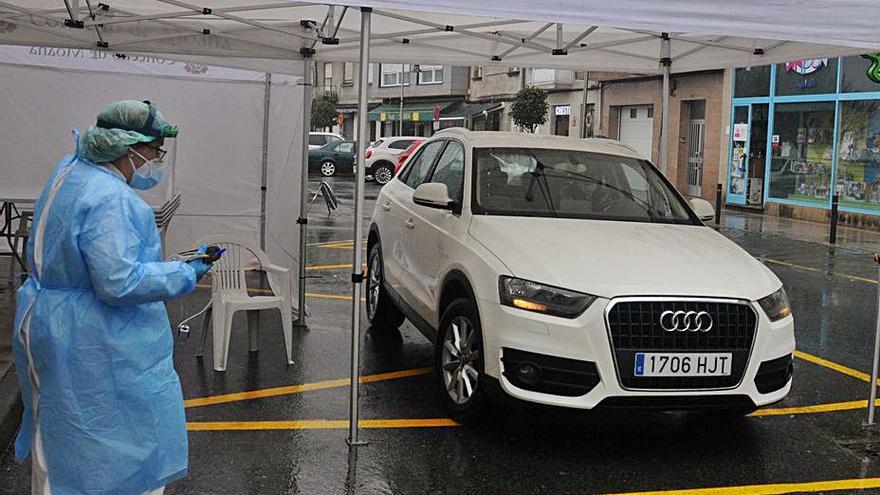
[92, 340]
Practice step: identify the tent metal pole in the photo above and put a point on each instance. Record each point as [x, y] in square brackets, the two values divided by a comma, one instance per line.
[357, 272]
[666, 64]
[304, 185]
[267, 95]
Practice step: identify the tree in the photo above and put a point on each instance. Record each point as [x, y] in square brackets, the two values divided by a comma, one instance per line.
[530, 108]
[323, 112]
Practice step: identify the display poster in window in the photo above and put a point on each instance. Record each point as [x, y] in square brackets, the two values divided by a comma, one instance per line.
[740, 132]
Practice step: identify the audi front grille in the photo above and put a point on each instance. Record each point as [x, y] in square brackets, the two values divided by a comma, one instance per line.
[635, 326]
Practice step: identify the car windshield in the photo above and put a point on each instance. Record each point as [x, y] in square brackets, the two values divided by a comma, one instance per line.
[541, 182]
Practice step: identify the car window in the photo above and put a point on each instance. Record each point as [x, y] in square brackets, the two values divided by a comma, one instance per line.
[331, 138]
[345, 148]
[377, 143]
[317, 140]
[572, 184]
[421, 165]
[450, 170]
[401, 144]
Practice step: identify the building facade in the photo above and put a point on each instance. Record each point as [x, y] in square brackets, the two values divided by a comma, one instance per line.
[631, 112]
[803, 131]
[422, 88]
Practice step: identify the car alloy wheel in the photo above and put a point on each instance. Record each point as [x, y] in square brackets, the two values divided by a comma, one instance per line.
[328, 168]
[459, 356]
[383, 174]
[374, 286]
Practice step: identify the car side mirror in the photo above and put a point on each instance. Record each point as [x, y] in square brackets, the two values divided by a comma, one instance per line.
[704, 209]
[433, 195]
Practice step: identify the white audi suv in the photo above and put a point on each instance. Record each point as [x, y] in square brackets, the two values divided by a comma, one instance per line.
[571, 273]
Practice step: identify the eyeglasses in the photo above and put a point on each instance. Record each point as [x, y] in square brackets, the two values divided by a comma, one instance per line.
[160, 153]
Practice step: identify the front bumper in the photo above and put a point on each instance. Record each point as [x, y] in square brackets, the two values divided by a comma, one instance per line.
[586, 340]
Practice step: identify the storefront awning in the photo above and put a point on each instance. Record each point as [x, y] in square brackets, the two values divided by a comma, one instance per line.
[416, 112]
[467, 110]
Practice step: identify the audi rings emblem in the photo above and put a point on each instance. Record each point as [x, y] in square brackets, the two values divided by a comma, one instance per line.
[686, 321]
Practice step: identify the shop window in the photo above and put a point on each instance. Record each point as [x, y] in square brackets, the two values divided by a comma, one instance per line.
[860, 74]
[807, 77]
[633, 113]
[858, 164]
[802, 146]
[651, 112]
[752, 82]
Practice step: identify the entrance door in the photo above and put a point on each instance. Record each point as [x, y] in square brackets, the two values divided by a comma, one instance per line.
[637, 128]
[748, 154]
[696, 134]
[736, 184]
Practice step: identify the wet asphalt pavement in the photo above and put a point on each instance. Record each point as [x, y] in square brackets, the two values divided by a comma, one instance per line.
[275, 443]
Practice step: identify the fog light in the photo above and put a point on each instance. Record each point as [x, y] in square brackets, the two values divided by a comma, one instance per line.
[528, 373]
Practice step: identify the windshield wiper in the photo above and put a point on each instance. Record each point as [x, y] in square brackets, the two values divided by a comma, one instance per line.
[652, 212]
[544, 187]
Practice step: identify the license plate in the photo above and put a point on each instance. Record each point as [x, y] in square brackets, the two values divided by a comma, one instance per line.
[683, 364]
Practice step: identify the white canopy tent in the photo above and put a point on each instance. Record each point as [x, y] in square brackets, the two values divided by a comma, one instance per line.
[632, 36]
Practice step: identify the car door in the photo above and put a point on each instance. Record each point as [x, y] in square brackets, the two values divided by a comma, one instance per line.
[435, 229]
[395, 207]
[343, 155]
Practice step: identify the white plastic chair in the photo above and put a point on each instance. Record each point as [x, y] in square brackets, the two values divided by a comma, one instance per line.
[229, 294]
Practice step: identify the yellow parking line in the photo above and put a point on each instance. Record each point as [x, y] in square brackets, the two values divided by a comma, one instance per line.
[316, 295]
[774, 489]
[811, 269]
[327, 267]
[834, 366]
[317, 424]
[305, 387]
[330, 242]
[814, 409]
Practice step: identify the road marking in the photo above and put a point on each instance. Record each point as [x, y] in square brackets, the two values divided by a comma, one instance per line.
[773, 489]
[814, 409]
[315, 295]
[329, 242]
[317, 424]
[327, 267]
[817, 270]
[305, 387]
[834, 366]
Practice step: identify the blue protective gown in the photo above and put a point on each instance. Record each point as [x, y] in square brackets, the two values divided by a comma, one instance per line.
[110, 406]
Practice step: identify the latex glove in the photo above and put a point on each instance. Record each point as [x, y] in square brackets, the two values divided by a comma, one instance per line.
[200, 267]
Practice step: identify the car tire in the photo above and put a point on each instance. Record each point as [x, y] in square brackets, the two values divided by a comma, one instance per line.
[383, 173]
[460, 366]
[381, 311]
[328, 168]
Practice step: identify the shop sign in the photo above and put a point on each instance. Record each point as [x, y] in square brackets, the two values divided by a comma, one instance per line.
[874, 69]
[563, 110]
[805, 67]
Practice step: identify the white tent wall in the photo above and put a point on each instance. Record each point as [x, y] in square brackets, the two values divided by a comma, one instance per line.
[284, 182]
[217, 162]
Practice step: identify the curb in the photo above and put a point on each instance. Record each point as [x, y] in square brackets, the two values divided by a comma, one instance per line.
[10, 408]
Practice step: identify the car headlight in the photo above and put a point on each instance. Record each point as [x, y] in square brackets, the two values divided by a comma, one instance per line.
[541, 298]
[776, 305]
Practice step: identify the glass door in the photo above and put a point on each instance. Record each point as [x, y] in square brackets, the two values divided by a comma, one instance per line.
[748, 155]
[739, 150]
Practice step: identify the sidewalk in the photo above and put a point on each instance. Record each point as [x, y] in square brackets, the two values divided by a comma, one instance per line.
[799, 230]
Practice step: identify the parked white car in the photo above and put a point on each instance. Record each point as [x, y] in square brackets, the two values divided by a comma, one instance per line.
[571, 273]
[319, 139]
[381, 156]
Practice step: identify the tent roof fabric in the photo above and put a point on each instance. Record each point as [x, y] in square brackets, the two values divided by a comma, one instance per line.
[621, 36]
